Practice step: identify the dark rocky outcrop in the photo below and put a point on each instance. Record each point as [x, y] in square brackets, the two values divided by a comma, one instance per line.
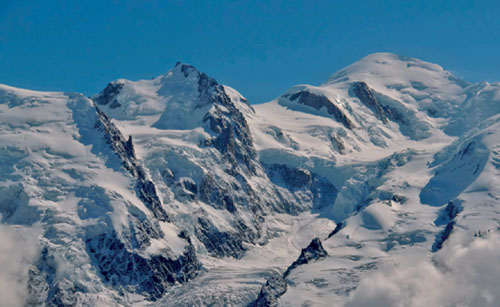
[219, 243]
[233, 138]
[147, 275]
[108, 95]
[449, 213]
[338, 228]
[294, 178]
[388, 109]
[443, 236]
[40, 280]
[367, 97]
[319, 101]
[447, 216]
[124, 149]
[276, 286]
[317, 189]
[313, 252]
[214, 192]
[399, 198]
[38, 289]
[337, 143]
[269, 294]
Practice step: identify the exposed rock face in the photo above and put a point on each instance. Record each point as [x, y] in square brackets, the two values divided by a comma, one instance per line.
[108, 95]
[233, 138]
[443, 236]
[388, 109]
[145, 189]
[121, 267]
[317, 102]
[41, 280]
[313, 252]
[448, 213]
[121, 262]
[338, 228]
[219, 243]
[293, 177]
[109, 240]
[276, 285]
[313, 189]
[269, 294]
[366, 96]
[337, 143]
[446, 217]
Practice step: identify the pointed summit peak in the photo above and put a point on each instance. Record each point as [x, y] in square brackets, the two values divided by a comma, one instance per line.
[186, 75]
[179, 63]
[186, 69]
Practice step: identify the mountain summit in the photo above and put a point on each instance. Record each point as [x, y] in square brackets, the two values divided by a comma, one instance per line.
[177, 191]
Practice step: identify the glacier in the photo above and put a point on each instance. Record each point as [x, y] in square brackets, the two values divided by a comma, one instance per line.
[376, 187]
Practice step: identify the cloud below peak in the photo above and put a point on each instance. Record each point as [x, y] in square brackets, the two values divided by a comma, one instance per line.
[461, 274]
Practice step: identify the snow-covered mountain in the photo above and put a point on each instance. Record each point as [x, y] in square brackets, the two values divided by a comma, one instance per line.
[372, 188]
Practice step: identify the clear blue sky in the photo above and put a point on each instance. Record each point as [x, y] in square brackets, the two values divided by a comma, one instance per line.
[261, 48]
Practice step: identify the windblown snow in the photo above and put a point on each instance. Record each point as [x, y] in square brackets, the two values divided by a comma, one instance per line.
[379, 187]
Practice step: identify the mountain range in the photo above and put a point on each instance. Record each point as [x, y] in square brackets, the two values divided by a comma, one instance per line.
[379, 187]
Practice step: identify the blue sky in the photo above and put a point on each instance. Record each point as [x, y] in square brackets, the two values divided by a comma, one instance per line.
[261, 48]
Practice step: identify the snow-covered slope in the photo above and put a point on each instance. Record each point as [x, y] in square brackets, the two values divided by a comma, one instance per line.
[69, 174]
[441, 134]
[176, 191]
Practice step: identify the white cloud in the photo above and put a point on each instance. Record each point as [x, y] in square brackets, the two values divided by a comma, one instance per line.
[18, 248]
[463, 274]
